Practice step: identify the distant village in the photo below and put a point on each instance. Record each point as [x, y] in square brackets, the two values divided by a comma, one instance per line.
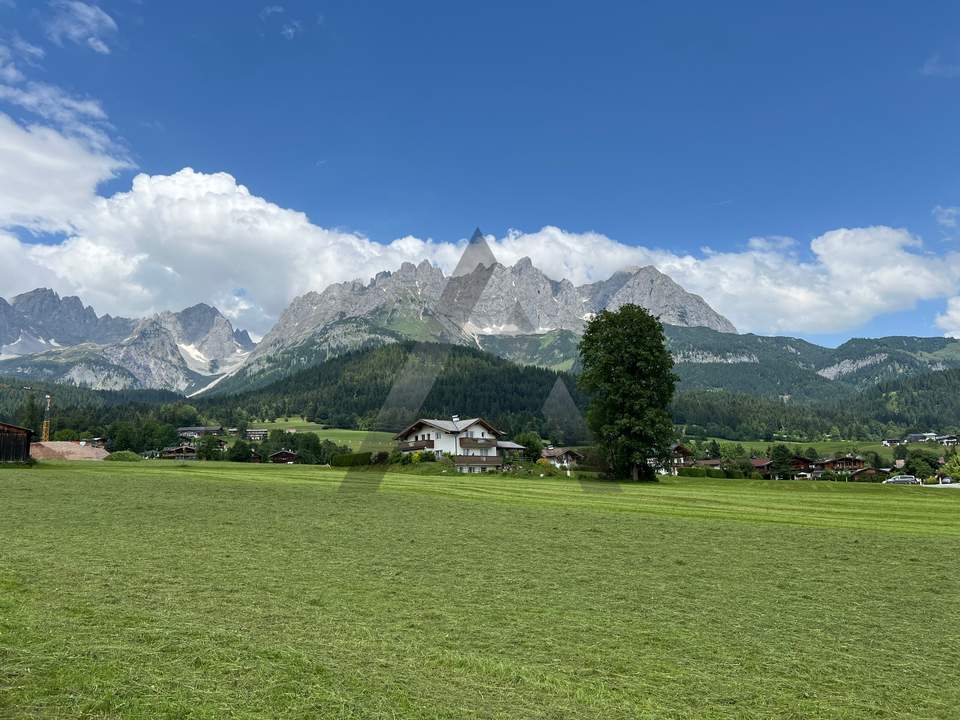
[473, 445]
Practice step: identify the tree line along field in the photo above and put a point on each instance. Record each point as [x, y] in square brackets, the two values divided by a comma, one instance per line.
[213, 590]
[828, 448]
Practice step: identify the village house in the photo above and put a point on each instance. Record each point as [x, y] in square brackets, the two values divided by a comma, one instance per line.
[257, 435]
[710, 463]
[179, 452]
[284, 457]
[841, 465]
[868, 472]
[680, 457]
[194, 432]
[473, 444]
[561, 457]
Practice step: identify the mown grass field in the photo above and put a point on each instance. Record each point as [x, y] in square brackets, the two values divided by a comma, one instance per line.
[218, 590]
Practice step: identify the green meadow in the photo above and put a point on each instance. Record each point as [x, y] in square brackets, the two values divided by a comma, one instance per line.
[215, 590]
[356, 439]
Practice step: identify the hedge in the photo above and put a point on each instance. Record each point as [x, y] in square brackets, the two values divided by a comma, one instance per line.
[351, 459]
[123, 456]
[710, 472]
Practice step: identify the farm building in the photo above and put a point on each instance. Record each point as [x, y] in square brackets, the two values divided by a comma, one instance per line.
[14, 443]
[180, 452]
[283, 456]
[198, 431]
[561, 457]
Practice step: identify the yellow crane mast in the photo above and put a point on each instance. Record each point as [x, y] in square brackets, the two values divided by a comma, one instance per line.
[45, 430]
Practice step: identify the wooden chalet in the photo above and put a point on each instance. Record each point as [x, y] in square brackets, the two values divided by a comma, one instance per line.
[865, 473]
[840, 465]
[681, 456]
[284, 457]
[562, 457]
[14, 443]
[179, 452]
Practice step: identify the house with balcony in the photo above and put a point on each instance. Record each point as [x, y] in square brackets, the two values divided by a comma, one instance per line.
[473, 444]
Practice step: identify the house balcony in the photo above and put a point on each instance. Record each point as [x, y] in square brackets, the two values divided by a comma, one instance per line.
[480, 460]
[471, 443]
[410, 445]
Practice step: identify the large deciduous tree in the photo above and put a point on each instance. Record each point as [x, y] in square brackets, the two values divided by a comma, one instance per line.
[628, 375]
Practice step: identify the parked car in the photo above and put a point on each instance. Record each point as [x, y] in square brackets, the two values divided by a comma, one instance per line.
[947, 481]
[902, 480]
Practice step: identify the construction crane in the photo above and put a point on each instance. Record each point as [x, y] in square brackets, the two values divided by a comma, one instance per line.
[45, 429]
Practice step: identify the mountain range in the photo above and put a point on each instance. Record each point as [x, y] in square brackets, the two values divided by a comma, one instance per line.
[48, 337]
[515, 312]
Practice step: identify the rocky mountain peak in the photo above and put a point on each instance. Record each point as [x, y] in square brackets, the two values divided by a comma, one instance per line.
[486, 299]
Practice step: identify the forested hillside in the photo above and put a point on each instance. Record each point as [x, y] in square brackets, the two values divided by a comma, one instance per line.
[349, 391]
[914, 404]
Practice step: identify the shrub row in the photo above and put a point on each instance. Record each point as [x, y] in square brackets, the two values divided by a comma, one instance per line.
[714, 473]
[351, 459]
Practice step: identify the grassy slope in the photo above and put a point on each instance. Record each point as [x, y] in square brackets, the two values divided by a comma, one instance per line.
[372, 440]
[214, 590]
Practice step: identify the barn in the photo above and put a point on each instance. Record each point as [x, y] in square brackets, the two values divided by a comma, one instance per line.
[284, 456]
[14, 443]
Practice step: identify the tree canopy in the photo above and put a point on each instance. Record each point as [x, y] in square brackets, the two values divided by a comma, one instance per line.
[628, 375]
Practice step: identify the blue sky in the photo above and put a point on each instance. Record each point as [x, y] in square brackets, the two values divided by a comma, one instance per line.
[667, 126]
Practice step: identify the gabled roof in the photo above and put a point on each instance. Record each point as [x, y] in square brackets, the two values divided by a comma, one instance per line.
[283, 452]
[557, 452]
[510, 445]
[8, 426]
[448, 426]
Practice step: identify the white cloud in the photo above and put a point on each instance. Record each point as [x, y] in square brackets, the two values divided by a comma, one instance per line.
[81, 23]
[269, 10]
[27, 50]
[936, 67]
[50, 168]
[949, 320]
[854, 274]
[175, 240]
[46, 177]
[9, 73]
[947, 216]
[78, 117]
[291, 29]
[188, 237]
